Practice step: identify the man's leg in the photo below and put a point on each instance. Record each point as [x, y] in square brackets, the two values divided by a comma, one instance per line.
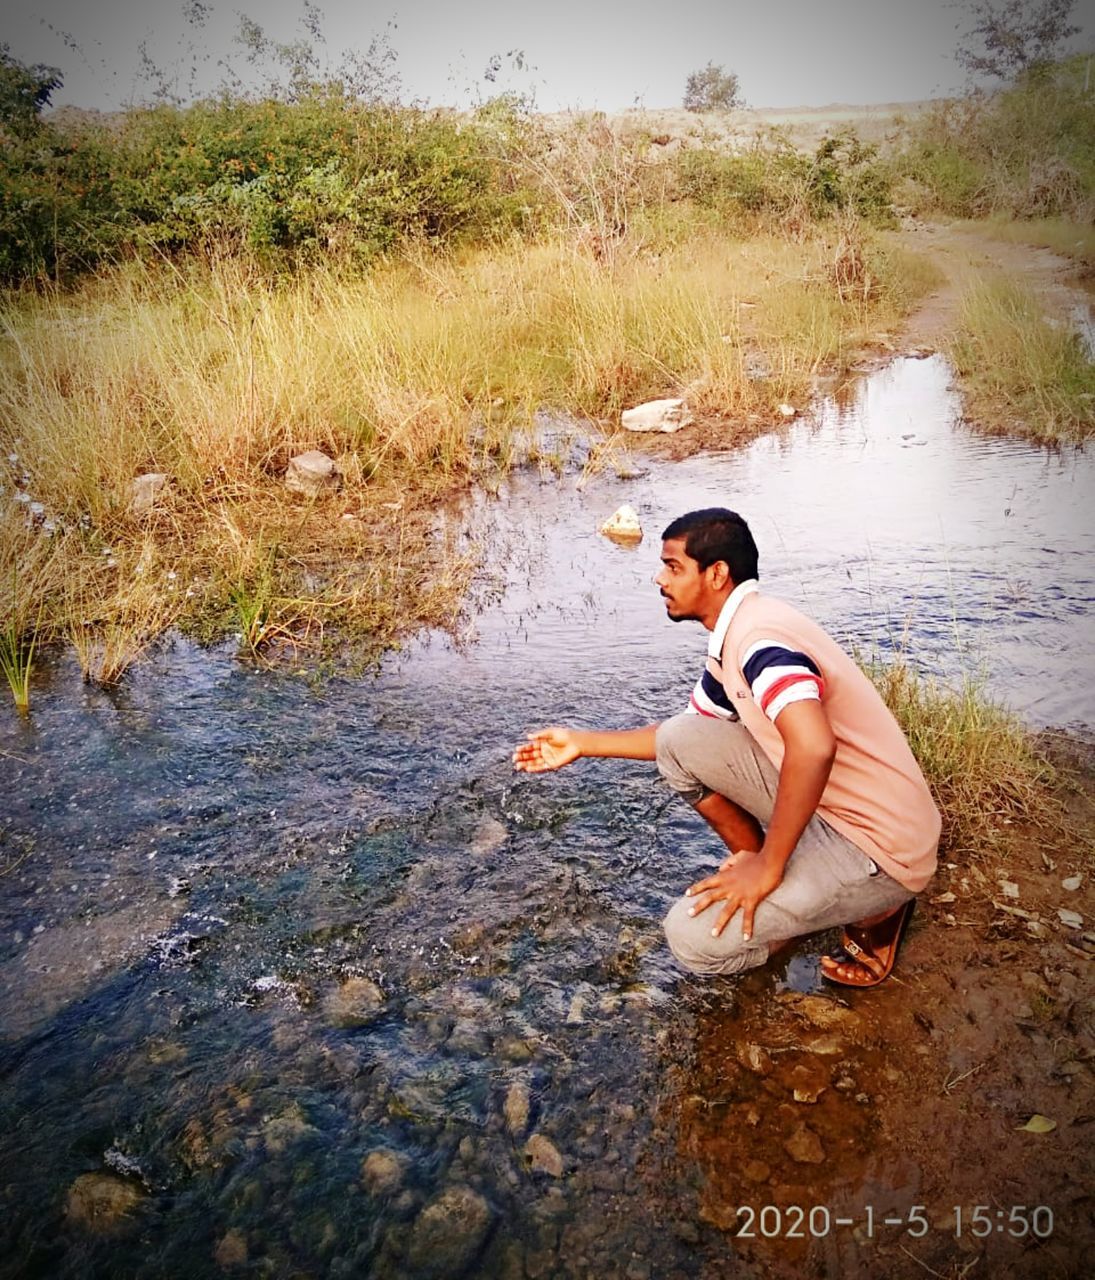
[716, 764]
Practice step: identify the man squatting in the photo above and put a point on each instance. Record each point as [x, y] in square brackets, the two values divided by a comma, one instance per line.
[790, 754]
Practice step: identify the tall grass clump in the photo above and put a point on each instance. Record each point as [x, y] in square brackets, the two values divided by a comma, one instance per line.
[1027, 151]
[983, 766]
[1022, 373]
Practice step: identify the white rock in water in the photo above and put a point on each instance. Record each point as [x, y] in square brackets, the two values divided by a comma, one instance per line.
[657, 415]
[311, 473]
[145, 490]
[624, 525]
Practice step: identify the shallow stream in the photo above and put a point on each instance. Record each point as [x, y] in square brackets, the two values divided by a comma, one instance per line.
[302, 970]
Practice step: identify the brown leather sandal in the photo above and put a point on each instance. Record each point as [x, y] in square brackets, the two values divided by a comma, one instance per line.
[871, 948]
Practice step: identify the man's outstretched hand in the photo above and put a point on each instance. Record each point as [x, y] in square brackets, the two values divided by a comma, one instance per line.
[744, 880]
[546, 749]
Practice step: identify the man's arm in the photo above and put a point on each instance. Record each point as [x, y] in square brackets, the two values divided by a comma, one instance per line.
[556, 746]
[748, 877]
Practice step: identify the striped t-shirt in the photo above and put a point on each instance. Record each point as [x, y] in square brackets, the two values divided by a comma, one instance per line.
[762, 656]
[777, 675]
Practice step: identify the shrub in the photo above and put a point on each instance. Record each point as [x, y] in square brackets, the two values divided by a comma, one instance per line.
[711, 89]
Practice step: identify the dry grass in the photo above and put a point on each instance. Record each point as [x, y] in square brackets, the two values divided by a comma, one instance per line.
[414, 378]
[982, 764]
[1068, 238]
[1022, 373]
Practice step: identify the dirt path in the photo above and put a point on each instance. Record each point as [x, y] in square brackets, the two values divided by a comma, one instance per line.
[964, 255]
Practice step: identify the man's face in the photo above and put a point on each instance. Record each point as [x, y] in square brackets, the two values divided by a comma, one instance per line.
[684, 585]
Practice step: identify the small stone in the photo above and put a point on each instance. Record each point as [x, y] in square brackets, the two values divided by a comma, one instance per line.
[311, 473]
[1009, 888]
[656, 415]
[755, 1171]
[808, 1081]
[804, 1146]
[1072, 883]
[231, 1250]
[623, 525]
[101, 1202]
[1071, 919]
[145, 490]
[516, 1108]
[382, 1172]
[544, 1155]
[787, 411]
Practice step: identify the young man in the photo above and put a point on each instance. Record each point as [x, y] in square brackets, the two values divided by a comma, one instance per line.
[790, 754]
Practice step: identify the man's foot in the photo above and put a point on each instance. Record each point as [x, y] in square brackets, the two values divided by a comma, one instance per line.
[870, 949]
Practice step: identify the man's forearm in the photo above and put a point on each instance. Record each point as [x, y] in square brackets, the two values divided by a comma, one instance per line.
[802, 780]
[622, 744]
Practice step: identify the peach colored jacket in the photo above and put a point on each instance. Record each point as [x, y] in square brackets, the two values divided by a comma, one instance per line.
[876, 795]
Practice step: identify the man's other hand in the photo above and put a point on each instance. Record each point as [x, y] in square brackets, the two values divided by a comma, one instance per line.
[744, 880]
[547, 749]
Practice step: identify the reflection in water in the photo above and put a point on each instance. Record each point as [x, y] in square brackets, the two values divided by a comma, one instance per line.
[312, 982]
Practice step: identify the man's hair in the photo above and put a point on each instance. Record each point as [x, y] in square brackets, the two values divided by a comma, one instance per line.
[717, 534]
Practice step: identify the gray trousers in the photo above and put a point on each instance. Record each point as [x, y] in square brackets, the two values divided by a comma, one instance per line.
[827, 881]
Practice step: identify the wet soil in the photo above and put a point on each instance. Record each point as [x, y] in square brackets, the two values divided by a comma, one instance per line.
[865, 1106]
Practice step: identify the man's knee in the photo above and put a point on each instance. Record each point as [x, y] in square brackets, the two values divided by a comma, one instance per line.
[672, 747]
[690, 940]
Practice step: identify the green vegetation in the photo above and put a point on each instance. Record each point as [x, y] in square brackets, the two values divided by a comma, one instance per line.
[1027, 152]
[711, 89]
[983, 766]
[1022, 374]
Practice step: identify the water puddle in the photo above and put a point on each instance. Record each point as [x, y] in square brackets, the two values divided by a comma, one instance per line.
[304, 981]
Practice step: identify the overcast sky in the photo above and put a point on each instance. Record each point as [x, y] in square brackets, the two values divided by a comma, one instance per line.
[580, 53]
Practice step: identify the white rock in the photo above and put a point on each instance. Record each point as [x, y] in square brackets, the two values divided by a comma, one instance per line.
[145, 490]
[1072, 919]
[787, 411]
[311, 473]
[1072, 883]
[623, 524]
[656, 415]
[1009, 888]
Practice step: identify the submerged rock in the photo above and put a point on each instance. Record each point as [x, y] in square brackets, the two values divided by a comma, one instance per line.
[516, 1108]
[656, 415]
[355, 1003]
[382, 1172]
[448, 1234]
[544, 1155]
[101, 1202]
[231, 1250]
[312, 473]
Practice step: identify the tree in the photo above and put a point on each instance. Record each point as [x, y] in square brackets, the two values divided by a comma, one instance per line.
[712, 89]
[24, 91]
[1011, 37]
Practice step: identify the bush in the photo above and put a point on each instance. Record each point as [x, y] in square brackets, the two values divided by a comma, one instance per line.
[711, 89]
[282, 181]
[1028, 151]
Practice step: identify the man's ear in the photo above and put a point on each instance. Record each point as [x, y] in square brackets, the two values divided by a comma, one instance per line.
[720, 574]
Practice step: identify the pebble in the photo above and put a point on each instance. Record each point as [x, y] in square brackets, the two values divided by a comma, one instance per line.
[804, 1146]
